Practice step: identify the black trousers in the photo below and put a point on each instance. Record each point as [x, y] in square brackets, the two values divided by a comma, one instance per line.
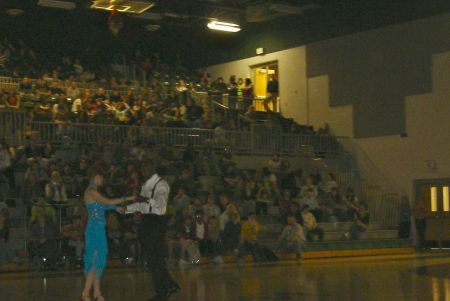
[152, 236]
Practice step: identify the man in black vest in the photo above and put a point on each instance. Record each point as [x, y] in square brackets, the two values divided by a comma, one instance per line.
[152, 204]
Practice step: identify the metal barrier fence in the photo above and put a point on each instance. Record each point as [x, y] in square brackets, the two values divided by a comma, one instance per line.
[12, 126]
[258, 140]
[8, 83]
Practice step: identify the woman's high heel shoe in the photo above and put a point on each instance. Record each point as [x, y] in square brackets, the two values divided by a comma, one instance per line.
[99, 298]
[85, 298]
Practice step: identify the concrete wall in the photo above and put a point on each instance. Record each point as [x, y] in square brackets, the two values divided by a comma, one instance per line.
[428, 129]
[292, 80]
[374, 86]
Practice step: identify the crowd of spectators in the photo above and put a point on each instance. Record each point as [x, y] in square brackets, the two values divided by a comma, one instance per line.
[213, 204]
[78, 90]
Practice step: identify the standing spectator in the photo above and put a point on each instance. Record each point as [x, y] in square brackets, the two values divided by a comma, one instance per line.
[272, 93]
[247, 94]
[292, 237]
[309, 184]
[310, 225]
[404, 227]
[239, 94]
[420, 217]
[232, 92]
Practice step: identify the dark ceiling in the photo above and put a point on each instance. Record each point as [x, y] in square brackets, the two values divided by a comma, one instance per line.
[183, 22]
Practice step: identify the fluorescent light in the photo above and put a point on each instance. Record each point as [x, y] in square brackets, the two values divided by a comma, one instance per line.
[224, 26]
[446, 198]
[124, 6]
[57, 4]
[433, 194]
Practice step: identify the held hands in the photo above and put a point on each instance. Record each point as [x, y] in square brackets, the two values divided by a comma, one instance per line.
[121, 210]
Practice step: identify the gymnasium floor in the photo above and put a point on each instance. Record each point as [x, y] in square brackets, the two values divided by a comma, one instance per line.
[407, 277]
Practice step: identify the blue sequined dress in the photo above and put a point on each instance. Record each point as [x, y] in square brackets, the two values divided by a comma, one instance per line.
[96, 247]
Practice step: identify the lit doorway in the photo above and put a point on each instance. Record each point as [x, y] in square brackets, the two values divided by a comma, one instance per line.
[261, 74]
[434, 194]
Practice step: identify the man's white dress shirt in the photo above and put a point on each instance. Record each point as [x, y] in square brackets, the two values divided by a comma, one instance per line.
[156, 192]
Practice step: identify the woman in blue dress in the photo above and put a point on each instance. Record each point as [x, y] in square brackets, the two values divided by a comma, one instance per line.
[96, 248]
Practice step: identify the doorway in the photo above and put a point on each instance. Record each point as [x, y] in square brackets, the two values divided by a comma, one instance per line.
[261, 75]
[434, 194]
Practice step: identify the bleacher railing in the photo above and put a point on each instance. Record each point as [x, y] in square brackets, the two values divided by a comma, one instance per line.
[258, 140]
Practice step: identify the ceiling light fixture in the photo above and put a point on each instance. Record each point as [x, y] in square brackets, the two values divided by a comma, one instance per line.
[224, 26]
[57, 4]
[123, 6]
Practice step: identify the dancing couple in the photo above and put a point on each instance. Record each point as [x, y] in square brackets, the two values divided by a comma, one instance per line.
[152, 203]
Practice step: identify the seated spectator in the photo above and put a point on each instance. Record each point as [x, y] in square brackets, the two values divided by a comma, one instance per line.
[42, 208]
[131, 241]
[294, 210]
[201, 234]
[248, 193]
[230, 225]
[309, 184]
[197, 204]
[181, 199]
[72, 91]
[190, 253]
[285, 201]
[310, 226]
[194, 114]
[26, 87]
[292, 238]
[5, 165]
[341, 210]
[274, 164]
[214, 239]
[7, 253]
[361, 222]
[249, 236]
[73, 233]
[210, 209]
[330, 183]
[43, 111]
[311, 201]
[42, 243]
[68, 179]
[224, 201]
[13, 100]
[115, 234]
[262, 202]
[55, 190]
